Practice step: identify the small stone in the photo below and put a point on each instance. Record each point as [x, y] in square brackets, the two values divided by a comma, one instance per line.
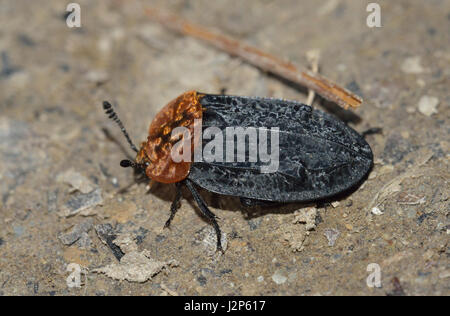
[412, 65]
[278, 277]
[82, 202]
[376, 211]
[332, 235]
[335, 204]
[296, 235]
[84, 242]
[126, 242]
[306, 216]
[260, 279]
[76, 180]
[428, 105]
[76, 232]
[208, 238]
[97, 76]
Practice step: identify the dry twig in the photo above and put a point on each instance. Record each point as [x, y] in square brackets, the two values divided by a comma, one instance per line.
[322, 86]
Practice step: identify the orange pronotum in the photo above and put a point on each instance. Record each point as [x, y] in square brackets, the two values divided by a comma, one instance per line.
[181, 112]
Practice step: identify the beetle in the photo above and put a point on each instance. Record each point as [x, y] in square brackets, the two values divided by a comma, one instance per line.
[319, 156]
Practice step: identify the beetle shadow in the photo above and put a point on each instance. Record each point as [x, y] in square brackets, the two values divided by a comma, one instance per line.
[167, 192]
[344, 115]
[233, 204]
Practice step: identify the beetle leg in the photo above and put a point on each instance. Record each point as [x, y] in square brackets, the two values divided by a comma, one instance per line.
[174, 206]
[205, 210]
[372, 131]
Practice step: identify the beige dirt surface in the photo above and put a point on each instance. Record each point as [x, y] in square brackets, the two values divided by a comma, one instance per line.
[66, 203]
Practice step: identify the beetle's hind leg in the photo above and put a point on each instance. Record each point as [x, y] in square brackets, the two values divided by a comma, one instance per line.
[175, 205]
[205, 210]
[372, 131]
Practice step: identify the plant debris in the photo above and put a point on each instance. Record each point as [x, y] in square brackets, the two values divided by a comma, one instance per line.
[77, 232]
[208, 238]
[332, 235]
[409, 199]
[82, 203]
[107, 235]
[76, 180]
[260, 59]
[135, 267]
[296, 235]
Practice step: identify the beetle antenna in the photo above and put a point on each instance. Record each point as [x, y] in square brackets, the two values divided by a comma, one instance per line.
[113, 116]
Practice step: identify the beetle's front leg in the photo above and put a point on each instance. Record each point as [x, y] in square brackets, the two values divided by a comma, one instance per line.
[204, 209]
[175, 205]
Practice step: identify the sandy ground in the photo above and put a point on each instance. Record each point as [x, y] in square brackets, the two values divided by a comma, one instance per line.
[61, 185]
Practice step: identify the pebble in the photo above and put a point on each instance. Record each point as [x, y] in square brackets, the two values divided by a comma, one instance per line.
[332, 235]
[209, 240]
[278, 277]
[376, 211]
[428, 105]
[307, 216]
[97, 76]
[76, 232]
[82, 202]
[412, 65]
[76, 180]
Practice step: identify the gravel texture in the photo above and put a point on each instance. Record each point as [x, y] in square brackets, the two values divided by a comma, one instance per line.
[53, 80]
